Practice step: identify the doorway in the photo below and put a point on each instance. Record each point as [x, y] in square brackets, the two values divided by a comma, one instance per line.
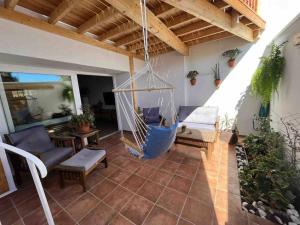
[96, 91]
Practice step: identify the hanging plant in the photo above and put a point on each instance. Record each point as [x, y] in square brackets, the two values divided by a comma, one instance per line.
[192, 76]
[67, 93]
[267, 76]
[231, 54]
[216, 72]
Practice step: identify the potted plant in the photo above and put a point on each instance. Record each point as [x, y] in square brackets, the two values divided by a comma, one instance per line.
[192, 76]
[67, 93]
[83, 122]
[216, 71]
[231, 54]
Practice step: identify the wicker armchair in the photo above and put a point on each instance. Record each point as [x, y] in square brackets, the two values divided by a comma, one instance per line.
[52, 150]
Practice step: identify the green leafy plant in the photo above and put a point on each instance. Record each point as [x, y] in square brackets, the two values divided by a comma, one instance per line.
[267, 76]
[65, 110]
[192, 74]
[232, 53]
[67, 93]
[86, 118]
[269, 176]
[216, 71]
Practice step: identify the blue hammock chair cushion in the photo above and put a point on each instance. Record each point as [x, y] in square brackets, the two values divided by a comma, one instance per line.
[158, 141]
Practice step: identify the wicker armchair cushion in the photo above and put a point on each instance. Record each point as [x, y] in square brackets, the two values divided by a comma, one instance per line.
[85, 158]
[56, 155]
[35, 140]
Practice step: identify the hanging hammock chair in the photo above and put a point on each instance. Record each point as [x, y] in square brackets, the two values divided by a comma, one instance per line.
[149, 141]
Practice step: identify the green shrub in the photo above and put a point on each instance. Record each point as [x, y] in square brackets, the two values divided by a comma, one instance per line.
[269, 177]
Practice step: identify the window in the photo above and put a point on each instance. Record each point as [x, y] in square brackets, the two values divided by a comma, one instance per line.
[32, 99]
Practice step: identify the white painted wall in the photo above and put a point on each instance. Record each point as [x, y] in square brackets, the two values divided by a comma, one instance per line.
[286, 102]
[44, 45]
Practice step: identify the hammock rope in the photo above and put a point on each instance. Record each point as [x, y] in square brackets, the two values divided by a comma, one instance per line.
[150, 141]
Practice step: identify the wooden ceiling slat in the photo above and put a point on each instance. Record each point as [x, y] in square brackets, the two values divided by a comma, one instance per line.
[140, 45]
[127, 27]
[201, 34]
[42, 25]
[131, 8]
[192, 28]
[62, 9]
[210, 13]
[10, 4]
[218, 36]
[101, 17]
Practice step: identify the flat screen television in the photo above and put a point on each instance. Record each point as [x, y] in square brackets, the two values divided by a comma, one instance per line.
[109, 98]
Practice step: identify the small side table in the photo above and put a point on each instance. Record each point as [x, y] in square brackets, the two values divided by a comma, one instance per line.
[93, 134]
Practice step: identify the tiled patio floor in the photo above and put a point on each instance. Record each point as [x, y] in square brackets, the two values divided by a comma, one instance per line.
[173, 189]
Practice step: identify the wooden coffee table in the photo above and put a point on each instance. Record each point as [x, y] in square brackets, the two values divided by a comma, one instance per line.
[93, 134]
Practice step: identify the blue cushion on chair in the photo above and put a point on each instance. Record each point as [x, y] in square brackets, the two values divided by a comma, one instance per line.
[151, 115]
[185, 111]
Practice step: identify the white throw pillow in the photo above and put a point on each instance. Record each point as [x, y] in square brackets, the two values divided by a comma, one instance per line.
[205, 115]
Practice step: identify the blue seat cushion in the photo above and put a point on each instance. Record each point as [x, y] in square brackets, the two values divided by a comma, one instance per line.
[185, 111]
[151, 115]
[55, 156]
[34, 140]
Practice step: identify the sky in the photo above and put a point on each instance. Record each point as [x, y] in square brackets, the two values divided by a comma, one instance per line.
[31, 77]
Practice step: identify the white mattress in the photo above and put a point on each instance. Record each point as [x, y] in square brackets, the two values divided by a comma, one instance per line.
[197, 126]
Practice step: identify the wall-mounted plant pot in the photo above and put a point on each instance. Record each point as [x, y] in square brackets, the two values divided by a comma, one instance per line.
[193, 81]
[218, 82]
[231, 63]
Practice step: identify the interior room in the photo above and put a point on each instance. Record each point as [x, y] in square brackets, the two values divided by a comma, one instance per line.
[149, 112]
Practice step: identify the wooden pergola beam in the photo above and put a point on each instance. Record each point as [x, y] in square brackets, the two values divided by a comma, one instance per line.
[42, 25]
[131, 8]
[101, 17]
[206, 11]
[213, 37]
[62, 9]
[201, 34]
[10, 4]
[127, 27]
[246, 11]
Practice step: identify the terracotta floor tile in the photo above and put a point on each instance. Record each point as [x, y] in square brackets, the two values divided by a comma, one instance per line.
[186, 171]
[225, 218]
[172, 200]
[151, 191]
[106, 172]
[191, 161]
[120, 161]
[29, 206]
[161, 177]
[137, 209]
[63, 219]
[119, 176]
[38, 216]
[120, 220]
[5, 204]
[23, 194]
[176, 157]
[118, 198]
[145, 171]
[160, 216]
[180, 184]
[170, 166]
[133, 183]
[102, 189]
[94, 178]
[9, 216]
[132, 166]
[226, 201]
[184, 222]
[202, 191]
[101, 215]
[67, 194]
[197, 212]
[155, 163]
[82, 206]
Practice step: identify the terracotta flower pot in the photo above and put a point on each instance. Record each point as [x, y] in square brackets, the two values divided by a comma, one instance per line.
[218, 82]
[84, 128]
[193, 81]
[231, 63]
